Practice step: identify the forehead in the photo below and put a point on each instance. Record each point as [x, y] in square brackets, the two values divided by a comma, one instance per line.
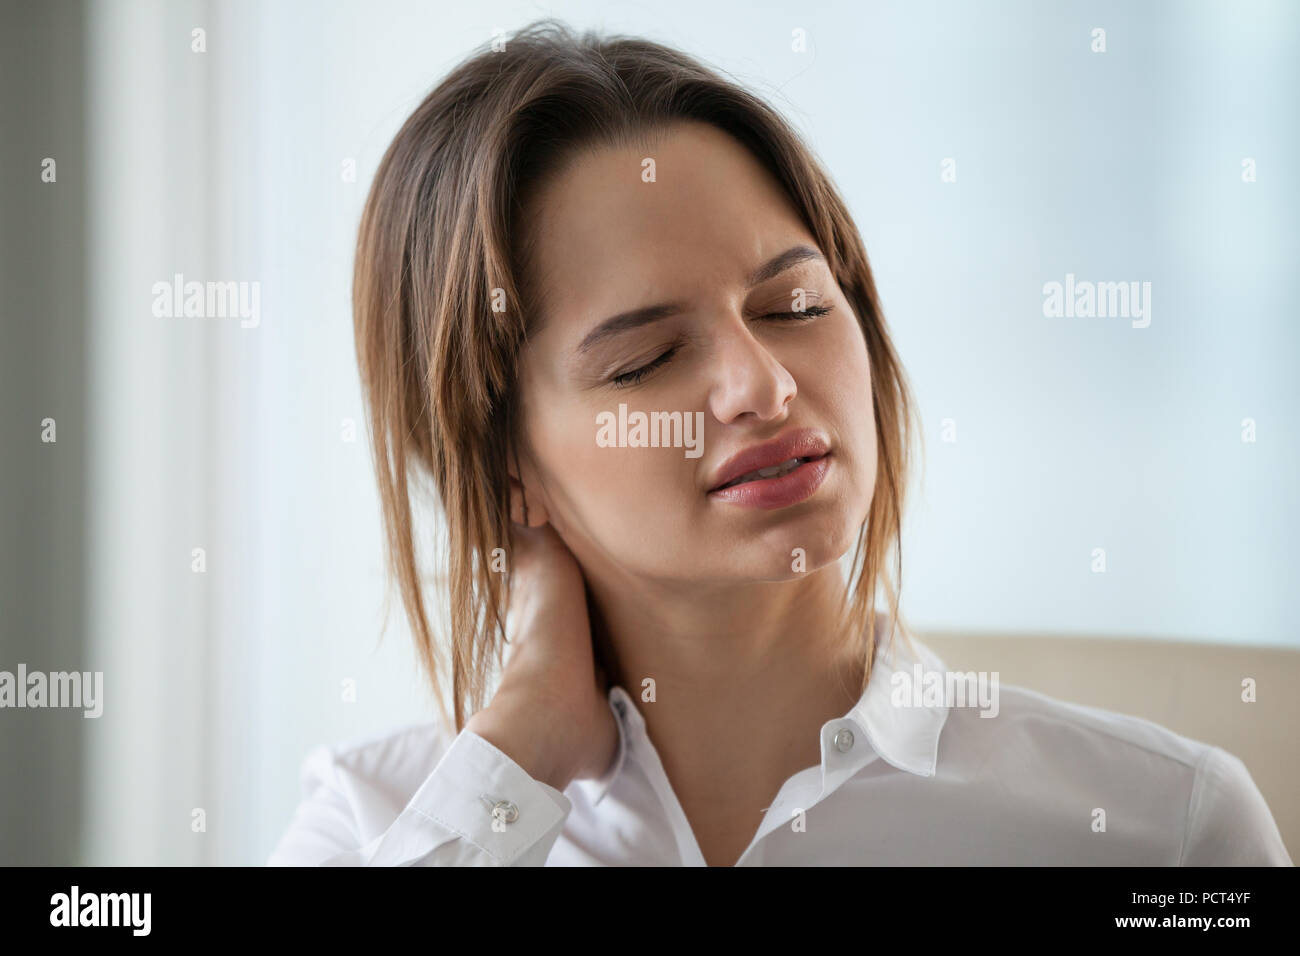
[604, 239]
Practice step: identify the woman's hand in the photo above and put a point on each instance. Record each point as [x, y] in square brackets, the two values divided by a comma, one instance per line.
[550, 713]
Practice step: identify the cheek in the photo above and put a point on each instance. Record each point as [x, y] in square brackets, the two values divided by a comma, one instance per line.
[605, 502]
[847, 378]
[605, 493]
[840, 363]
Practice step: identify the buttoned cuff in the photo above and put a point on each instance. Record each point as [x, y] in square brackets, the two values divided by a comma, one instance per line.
[474, 785]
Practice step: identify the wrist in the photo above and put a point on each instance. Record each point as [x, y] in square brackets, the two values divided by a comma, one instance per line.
[531, 757]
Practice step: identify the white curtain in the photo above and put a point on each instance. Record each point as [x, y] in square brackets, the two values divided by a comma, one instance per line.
[212, 433]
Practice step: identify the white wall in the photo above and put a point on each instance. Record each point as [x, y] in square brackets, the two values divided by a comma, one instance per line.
[1071, 433]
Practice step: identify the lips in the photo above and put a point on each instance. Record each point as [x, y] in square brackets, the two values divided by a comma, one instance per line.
[771, 459]
[776, 471]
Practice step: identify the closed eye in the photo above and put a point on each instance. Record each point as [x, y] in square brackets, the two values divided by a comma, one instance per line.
[809, 313]
[636, 375]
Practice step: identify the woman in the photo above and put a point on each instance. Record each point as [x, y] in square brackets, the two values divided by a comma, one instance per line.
[611, 304]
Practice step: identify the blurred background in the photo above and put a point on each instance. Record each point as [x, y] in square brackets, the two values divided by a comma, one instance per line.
[204, 527]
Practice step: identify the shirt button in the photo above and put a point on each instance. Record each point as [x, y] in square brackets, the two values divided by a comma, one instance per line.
[844, 740]
[506, 810]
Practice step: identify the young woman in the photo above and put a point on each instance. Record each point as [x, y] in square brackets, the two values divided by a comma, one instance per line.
[610, 303]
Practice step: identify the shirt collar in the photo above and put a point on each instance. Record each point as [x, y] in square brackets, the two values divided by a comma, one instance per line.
[905, 736]
[628, 719]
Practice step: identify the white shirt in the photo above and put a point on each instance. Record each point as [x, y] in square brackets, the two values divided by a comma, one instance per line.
[1043, 782]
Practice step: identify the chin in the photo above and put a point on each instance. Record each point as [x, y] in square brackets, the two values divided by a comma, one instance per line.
[798, 552]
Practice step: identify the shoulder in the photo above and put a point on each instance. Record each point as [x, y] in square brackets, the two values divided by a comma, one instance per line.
[1047, 724]
[1196, 799]
[988, 717]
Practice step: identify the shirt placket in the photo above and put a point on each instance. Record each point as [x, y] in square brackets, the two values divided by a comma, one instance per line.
[844, 751]
[648, 759]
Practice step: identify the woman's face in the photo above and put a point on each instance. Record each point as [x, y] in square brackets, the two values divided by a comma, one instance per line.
[606, 242]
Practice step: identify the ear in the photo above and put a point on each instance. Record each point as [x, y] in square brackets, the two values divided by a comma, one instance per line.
[537, 513]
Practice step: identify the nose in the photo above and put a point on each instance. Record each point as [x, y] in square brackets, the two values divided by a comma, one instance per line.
[748, 378]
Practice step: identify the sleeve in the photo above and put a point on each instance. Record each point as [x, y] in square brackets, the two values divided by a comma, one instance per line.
[1228, 821]
[450, 820]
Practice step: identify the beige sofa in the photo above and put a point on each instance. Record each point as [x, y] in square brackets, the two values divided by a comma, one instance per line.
[1193, 689]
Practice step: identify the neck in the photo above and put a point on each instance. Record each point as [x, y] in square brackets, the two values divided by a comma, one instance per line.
[772, 658]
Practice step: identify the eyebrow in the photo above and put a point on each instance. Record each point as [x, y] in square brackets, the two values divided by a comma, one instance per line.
[653, 313]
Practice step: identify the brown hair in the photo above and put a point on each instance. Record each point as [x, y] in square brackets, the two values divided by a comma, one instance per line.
[438, 365]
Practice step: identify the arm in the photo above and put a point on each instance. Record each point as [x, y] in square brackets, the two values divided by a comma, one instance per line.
[447, 822]
[549, 722]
